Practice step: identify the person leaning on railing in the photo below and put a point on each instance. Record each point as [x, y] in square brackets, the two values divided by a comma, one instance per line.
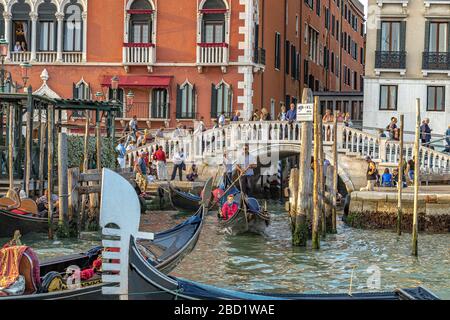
[447, 139]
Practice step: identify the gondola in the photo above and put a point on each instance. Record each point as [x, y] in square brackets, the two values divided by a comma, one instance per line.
[165, 251]
[184, 201]
[146, 282]
[250, 217]
[26, 223]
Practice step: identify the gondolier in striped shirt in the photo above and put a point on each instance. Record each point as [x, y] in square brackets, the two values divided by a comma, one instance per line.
[245, 168]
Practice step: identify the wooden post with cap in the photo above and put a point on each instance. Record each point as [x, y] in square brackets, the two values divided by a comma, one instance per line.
[415, 229]
[400, 177]
[316, 187]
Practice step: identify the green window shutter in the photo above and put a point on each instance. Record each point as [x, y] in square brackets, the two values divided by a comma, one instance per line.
[427, 36]
[448, 37]
[402, 35]
[194, 99]
[74, 91]
[213, 101]
[230, 100]
[179, 102]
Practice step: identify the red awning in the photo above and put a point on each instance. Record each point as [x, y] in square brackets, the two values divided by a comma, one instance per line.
[139, 81]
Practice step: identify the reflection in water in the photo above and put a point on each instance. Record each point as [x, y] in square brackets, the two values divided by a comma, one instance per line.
[270, 264]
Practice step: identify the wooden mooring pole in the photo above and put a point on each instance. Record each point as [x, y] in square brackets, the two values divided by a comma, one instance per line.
[50, 125]
[400, 177]
[62, 178]
[415, 229]
[300, 221]
[316, 187]
[323, 220]
[335, 178]
[42, 144]
[11, 146]
[28, 142]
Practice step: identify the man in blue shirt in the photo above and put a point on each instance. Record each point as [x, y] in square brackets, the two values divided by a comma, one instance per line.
[291, 115]
[120, 149]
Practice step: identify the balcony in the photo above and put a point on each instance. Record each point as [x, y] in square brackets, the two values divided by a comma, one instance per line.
[139, 54]
[212, 54]
[72, 57]
[19, 57]
[46, 57]
[436, 61]
[390, 61]
[260, 56]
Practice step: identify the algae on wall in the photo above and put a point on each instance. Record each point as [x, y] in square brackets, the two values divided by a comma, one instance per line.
[75, 145]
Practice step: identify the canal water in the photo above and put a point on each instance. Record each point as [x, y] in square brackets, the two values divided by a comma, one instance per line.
[378, 260]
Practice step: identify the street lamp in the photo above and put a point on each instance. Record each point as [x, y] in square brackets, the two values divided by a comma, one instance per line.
[4, 46]
[25, 67]
[99, 95]
[114, 87]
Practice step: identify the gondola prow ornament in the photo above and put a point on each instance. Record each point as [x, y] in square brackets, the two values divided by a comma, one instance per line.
[120, 215]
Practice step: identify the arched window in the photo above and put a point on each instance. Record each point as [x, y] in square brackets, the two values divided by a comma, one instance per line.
[81, 91]
[213, 24]
[46, 31]
[221, 100]
[141, 24]
[186, 97]
[73, 25]
[21, 35]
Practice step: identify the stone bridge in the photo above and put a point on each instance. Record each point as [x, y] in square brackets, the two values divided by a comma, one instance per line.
[271, 141]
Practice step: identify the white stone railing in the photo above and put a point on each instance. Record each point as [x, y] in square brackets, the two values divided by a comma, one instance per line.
[212, 54]
[139, 54]
[46, 57]
[209, 146]
[72, 57]
[19, 57]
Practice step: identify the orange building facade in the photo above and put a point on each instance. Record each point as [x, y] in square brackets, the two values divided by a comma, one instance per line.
[183, 60]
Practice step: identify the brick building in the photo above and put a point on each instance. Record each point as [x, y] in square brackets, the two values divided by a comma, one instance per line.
[185, 59]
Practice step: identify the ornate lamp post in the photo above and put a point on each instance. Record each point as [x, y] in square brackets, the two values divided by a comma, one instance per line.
[4, 46]
[114, 87]
[98, 95]
[130, 100]
[25, 67]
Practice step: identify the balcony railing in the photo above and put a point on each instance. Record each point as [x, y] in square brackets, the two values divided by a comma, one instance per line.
[46, 57]
[23, 56]
[72, 57]
[390, 59]
[160, 111]
[216, 114]
[260, 56]
[138, 53]
[186, 115]
[436, 61]
[212, 53]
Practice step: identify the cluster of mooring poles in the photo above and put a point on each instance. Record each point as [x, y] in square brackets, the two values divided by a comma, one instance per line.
[30, 156]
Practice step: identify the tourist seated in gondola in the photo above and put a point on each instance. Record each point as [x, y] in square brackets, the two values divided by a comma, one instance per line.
[42, 204]
[193, 173]
[229, 208]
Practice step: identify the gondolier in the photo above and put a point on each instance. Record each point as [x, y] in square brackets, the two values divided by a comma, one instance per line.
[245, 168]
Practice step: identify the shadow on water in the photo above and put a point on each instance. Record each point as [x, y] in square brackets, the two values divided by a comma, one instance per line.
[270, 263]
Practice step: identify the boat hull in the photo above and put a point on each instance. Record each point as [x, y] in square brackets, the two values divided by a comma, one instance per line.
[10, 222]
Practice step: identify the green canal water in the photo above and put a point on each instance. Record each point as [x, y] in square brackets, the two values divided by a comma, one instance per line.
[270, 264]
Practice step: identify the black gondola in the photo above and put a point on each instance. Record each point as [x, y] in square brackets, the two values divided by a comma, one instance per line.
[250, 217]
[184, 201]
[145, 282]
[165, 252]
[26, 223]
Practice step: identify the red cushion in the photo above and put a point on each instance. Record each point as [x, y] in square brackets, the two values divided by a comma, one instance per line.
[19, 212]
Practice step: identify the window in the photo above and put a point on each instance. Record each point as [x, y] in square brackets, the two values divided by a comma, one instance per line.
[438, 37]
[345, 74]
[287, 48]
[277, 50]
[361, 30]
[333, 24]
[305, 39]
[221, 100]
[293, 61]
[185, 101]
[361, 55]
[327, 18]
[297, 66]
[318, 7]
[140, 27]
[388, 97]
[355, 80]
[47, 36]
[337, 67]
[73, 38]
[332, 62]
[214, 31]
[312, 44]
[435, 98]
[390, 36]
[305, 72]
[81, 91]
[348, 43]
[140, 32]
[296, 25]
[337, 30]
[310, 3]
[160, 106]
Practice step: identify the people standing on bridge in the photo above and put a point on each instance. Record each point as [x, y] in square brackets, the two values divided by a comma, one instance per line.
[140, 168]
[265, 115]
[447, 140]
[282, 114]
[236, 116]
[178, 164]
[131, 146]
[348, 120]
[161, 168]
[177, 133]
[425, 133]
[328, 117]
[255, 116]
[386, 178]
[291, 115]
[121, 152]
[245, 168]
[371, 175]
[392, 128]
[134, 127]
[221, 120]
[340, 116]
[410, 169]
